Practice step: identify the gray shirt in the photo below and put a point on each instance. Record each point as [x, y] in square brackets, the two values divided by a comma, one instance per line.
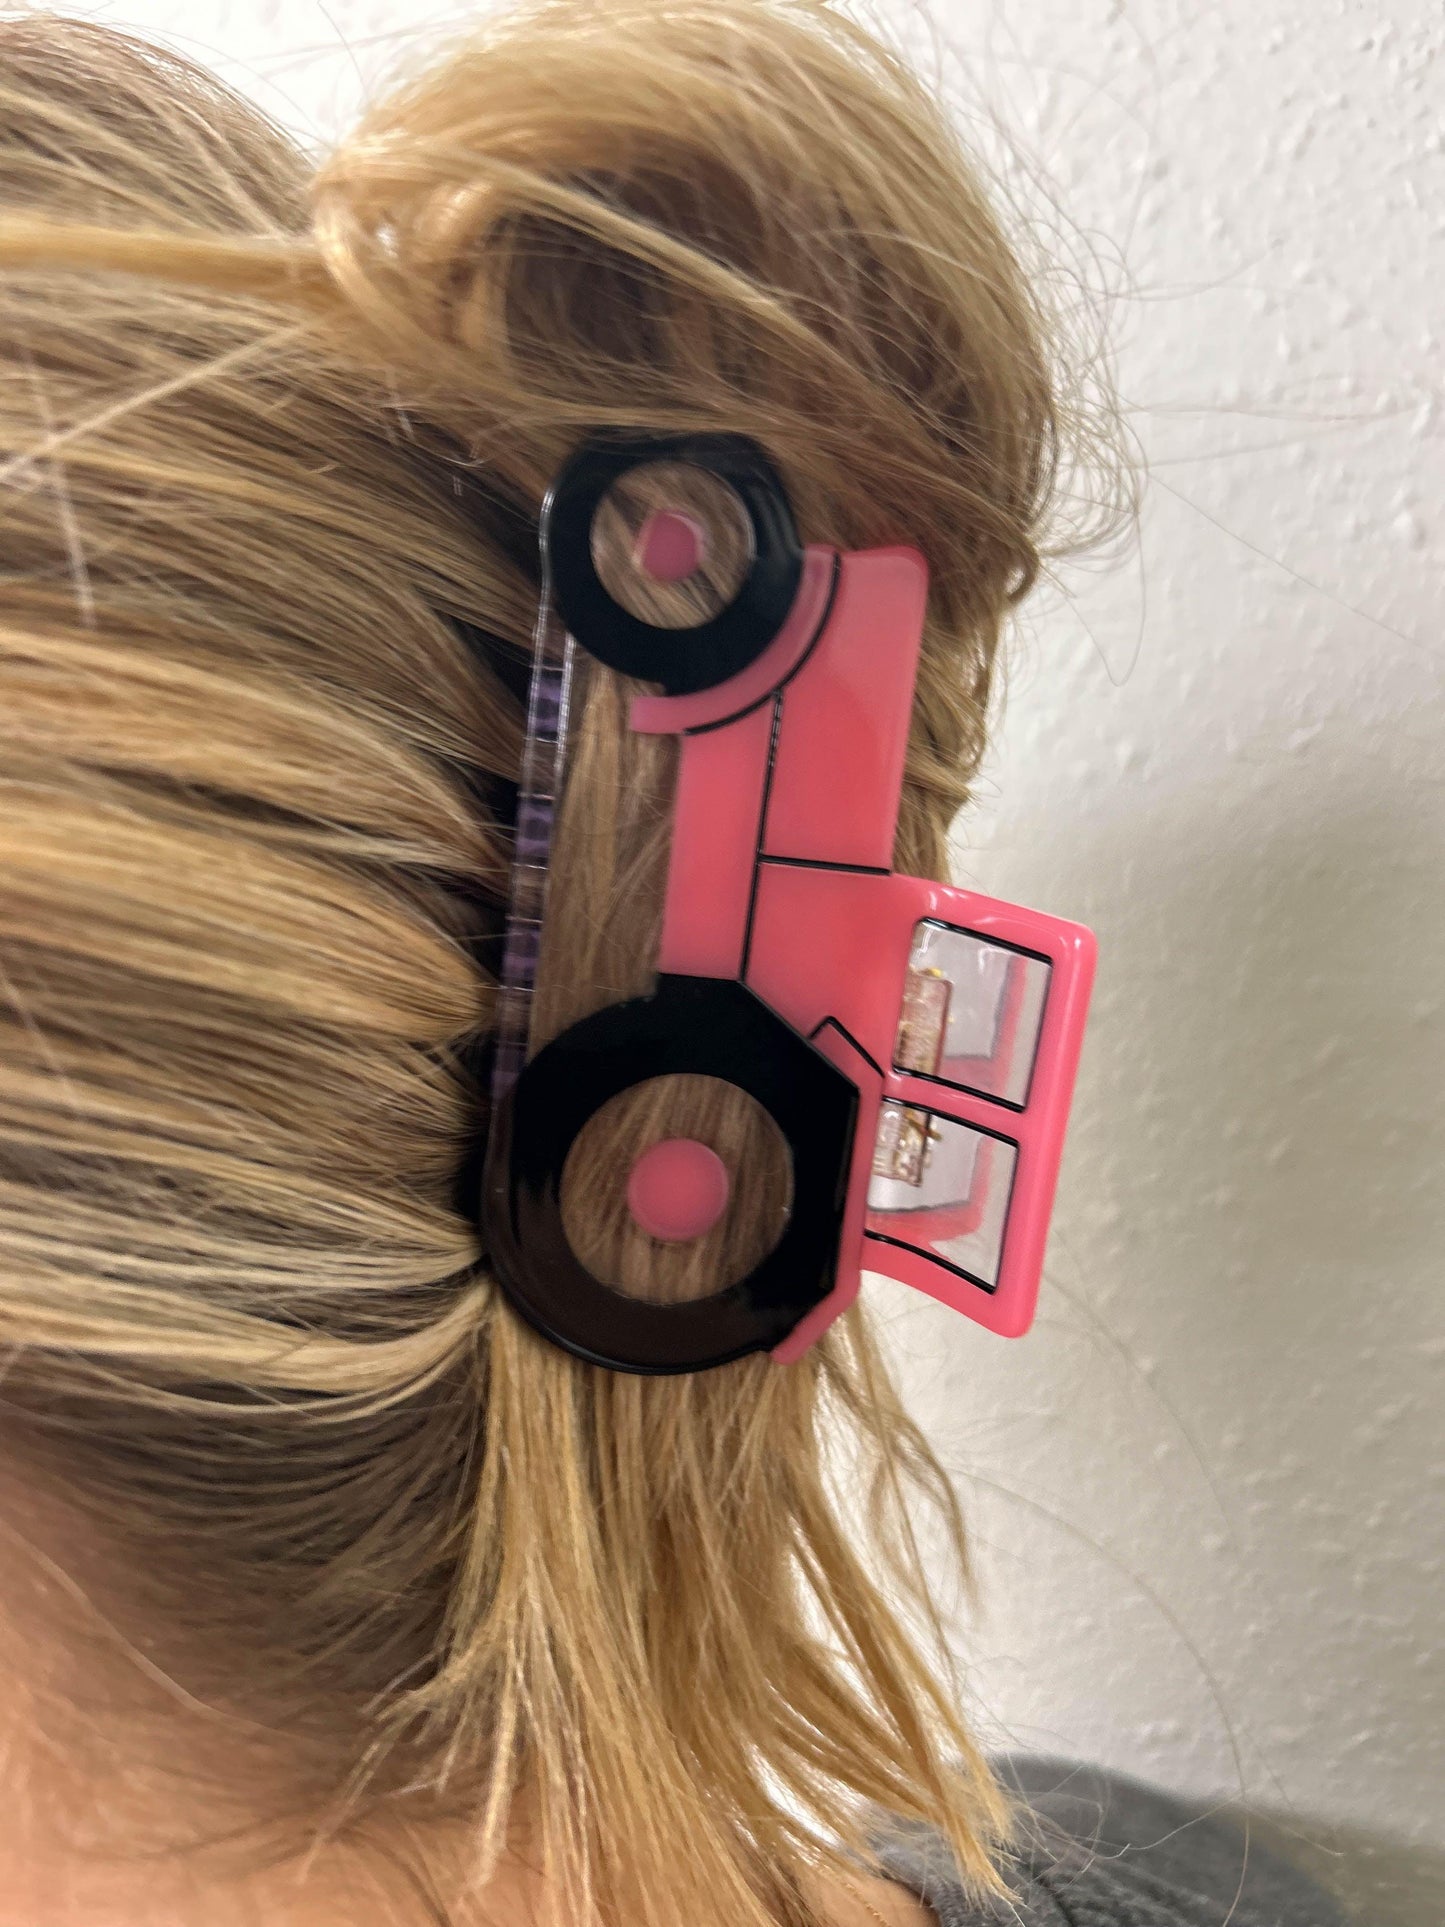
[1099, 1850]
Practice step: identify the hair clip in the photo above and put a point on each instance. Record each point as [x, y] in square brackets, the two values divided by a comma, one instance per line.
[914, 1043]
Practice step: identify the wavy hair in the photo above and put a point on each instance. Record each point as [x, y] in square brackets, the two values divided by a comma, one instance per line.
[274, 439]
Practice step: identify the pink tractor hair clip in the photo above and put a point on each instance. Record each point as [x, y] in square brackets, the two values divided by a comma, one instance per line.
[915, 1044]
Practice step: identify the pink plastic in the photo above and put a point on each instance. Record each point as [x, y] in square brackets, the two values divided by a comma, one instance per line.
[839, 763]
[670, 545]
[678, 1189]
[672, 715]
[859, 931]
[721, 785]
[788, 789]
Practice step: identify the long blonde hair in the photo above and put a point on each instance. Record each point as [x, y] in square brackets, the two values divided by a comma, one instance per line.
[274, 442]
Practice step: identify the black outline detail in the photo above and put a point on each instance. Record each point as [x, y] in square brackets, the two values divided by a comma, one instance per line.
[969, 1090]
[704, 729]
[682, 661]
[951, 1117]
[902, 1244]
[972, 1090]
[999, 943]
[823, 863]
[773, 736]
[966, 1124]
[831, 1023]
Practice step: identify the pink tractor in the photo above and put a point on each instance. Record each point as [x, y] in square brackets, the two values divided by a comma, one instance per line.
[914, 1043]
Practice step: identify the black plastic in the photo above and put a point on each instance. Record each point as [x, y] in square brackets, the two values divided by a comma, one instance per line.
[715, 1028]
[680, 660]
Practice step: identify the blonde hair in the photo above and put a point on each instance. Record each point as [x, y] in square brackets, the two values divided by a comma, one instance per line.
[274, 444]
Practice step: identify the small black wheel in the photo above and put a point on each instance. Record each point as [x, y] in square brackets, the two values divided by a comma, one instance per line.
[702, 601]
[715, 1028]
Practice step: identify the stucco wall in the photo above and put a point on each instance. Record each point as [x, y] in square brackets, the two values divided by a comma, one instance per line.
[1224, 1559]
[1207, 1489]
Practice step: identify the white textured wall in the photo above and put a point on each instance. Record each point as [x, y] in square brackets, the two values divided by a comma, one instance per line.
[1207, 1489]
[1214, 1507]
[1224, 1559]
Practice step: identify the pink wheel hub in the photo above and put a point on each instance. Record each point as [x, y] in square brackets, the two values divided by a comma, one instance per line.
[670, 546]
[678, 1190]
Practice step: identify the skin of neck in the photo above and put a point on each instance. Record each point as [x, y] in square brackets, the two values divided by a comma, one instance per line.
[105, 1828]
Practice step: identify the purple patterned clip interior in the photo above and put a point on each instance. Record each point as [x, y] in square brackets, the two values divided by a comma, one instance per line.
[547, 702]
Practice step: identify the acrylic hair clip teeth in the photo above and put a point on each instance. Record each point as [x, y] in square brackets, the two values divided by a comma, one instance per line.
[915, 1044]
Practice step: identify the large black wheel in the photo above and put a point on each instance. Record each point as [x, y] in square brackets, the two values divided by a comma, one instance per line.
[715, 610]
[713, 1028]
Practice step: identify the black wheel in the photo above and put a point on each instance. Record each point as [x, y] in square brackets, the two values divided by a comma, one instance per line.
[713, 607]
[714, 1028]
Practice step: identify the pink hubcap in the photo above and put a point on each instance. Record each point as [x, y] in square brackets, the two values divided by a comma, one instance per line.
[678, 1190]
[670, 545]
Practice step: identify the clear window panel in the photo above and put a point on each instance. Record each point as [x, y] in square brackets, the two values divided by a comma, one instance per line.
[972, 1009]
[943, 1188]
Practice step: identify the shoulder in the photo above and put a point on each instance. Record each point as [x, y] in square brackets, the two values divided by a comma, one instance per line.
[1097, 1849]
